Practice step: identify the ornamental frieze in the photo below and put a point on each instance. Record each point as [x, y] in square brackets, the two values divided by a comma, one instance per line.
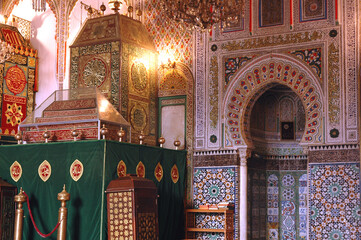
[333, 84]
[213, 92]
[269, 41]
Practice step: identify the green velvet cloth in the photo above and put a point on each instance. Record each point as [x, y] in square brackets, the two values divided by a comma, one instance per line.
[87, 216]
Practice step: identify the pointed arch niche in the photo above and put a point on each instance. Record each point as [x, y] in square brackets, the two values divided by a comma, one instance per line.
[176, 102]
[256, 78]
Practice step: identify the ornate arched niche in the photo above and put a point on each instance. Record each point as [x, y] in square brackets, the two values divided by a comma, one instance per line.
[255, 79]
[176, 106]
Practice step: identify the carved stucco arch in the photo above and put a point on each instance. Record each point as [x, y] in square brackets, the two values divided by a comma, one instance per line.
[179, 81]
[257, 77]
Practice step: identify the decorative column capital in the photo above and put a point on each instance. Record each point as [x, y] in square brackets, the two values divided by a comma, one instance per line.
[244, 154]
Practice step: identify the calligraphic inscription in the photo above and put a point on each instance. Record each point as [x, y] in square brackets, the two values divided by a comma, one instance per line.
[174, 173]
[140, 170]
[44, 170]
[158, 172]
[94, 72]
[121, 169]
[138, 117]
[15, 79]
[139, 76]
[32, 62]
[16, 171]
[76, 170]
[11, 37]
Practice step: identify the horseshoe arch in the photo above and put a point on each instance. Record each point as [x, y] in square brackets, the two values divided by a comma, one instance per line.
[256, 78]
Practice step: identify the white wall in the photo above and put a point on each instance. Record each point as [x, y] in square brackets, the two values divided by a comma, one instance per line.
[43, 40]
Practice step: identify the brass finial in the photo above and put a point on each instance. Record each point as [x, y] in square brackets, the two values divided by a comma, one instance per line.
[130, 11]
[114, 5]
[90, 10]
[63, 196]
[75, 134]
[103, 131]
[139, 12]
[46, 135]
[161, 141]
[18, 137]
[121, 134]
[103, 8]
[141, 137]
[20, 198]
[177, 143]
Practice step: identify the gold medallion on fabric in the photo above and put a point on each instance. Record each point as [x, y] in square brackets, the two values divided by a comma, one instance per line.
[121, 169]
[15, 80]
[140, 170]
[14, 114]
[44, 170]
[16, 171]
[174, 173]
[76, 170]
[158, 172]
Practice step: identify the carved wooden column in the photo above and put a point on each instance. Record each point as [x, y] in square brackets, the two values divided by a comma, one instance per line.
[244, 154]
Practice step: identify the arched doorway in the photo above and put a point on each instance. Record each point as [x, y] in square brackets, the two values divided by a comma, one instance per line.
[246, 87]
[277, 171]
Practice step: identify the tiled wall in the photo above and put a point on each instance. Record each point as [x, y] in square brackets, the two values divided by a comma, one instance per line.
[212, 185]
[334, 201]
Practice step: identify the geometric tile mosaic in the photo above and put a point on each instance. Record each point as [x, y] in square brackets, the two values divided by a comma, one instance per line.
[273, 206]
[212, 185]
[302, 193]
[334, 211]
[256, 193]
[209, 236]
[286, 205]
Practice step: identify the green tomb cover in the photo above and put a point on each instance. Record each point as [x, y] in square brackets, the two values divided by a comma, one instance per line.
[87, 216]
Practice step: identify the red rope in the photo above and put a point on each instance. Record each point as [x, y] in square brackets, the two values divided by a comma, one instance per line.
[36, 227]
